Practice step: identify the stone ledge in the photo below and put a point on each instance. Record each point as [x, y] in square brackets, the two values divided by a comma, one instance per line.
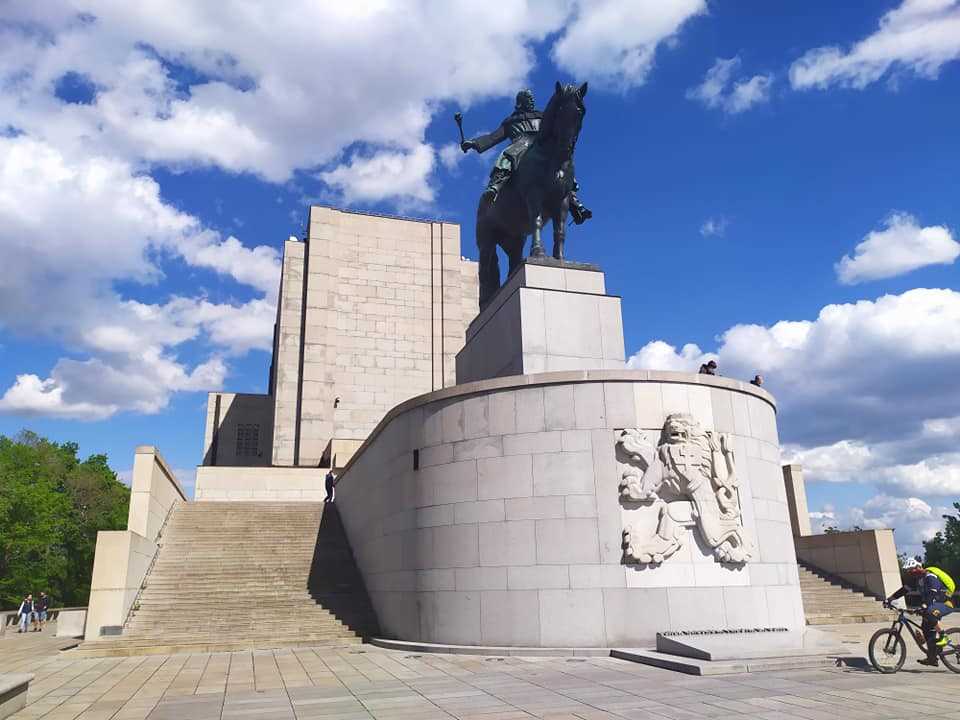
[13, 692]
[488, 650]
[694, 666]
[566, 264]
[158, 458]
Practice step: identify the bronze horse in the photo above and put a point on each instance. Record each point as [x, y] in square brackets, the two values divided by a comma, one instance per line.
[539, 190]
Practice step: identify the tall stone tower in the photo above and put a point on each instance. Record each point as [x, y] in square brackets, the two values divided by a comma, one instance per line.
[372, 311]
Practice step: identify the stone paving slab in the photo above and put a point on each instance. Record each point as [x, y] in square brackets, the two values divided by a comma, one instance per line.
[370, 683]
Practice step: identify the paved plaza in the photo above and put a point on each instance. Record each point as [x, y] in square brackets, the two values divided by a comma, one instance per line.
[367, 682]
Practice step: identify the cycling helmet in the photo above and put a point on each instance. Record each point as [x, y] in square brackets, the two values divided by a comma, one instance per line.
[911, 563]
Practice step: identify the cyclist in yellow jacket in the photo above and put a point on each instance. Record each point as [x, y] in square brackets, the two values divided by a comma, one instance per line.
[934, 587]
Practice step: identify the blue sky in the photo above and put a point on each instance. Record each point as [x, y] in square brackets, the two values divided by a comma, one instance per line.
[154, 159]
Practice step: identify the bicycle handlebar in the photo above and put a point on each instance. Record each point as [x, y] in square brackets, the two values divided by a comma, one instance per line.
[907, 611]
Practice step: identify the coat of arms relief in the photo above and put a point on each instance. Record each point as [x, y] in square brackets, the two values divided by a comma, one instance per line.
[688, 479]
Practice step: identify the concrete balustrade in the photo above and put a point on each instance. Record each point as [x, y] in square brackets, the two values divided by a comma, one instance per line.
[123, 557]
[13, 692]
[864, 558]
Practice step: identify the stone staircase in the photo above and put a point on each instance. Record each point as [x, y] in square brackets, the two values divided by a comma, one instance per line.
[243, 575]
[828, 600]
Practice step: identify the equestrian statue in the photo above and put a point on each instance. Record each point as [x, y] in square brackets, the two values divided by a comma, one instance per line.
[532, 181]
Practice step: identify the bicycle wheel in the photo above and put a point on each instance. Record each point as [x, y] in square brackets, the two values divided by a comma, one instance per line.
[888, 651]
[951, 653]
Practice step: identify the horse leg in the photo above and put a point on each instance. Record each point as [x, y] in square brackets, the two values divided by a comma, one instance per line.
[536, 223]
[559, 230]
[515, 253]
[489, 270]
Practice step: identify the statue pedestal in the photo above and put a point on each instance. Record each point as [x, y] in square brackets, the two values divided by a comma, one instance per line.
[548, 316]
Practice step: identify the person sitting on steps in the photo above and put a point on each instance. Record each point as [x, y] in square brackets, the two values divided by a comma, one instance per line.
[521, 127]
[934, 588]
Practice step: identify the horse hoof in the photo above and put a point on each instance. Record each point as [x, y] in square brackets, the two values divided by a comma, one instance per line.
[537, 253]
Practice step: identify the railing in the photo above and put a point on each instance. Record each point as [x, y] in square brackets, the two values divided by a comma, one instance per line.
[135, 605]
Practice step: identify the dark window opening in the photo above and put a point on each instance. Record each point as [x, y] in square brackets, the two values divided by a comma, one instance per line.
[416, 459]
[248, 440]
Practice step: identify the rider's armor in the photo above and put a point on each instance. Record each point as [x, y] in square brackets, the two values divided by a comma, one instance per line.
[521, 127]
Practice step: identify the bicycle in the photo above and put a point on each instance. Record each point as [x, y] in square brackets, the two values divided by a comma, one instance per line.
[888, 651]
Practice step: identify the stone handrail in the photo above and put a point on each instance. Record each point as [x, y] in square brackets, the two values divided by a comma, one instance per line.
[136, 601]
[123, 557]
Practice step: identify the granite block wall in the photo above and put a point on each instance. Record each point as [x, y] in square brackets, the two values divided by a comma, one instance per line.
[489, 513]
[371, 311]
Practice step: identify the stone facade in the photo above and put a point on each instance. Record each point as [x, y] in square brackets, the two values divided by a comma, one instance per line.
[372, 311]
[491, 514]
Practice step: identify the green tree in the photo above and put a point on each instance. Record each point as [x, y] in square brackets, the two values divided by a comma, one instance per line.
[943, 549]
[51, 507]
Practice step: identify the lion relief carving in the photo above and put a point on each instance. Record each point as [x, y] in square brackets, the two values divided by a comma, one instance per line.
[687, 480]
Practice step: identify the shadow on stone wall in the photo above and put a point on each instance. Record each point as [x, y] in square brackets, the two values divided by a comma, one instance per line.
[335, 582]
[228, 415]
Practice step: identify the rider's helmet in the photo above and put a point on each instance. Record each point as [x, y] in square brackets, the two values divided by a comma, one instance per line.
[912, 565]
[525, 101]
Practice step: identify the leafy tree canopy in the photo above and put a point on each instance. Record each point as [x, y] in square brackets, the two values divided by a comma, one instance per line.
[51, 507]
[943, 549]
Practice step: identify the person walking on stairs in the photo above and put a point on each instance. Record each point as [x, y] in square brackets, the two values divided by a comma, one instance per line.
[329, 483]
[934, 588]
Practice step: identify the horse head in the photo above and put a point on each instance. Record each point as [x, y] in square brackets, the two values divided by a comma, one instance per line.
[563, 118]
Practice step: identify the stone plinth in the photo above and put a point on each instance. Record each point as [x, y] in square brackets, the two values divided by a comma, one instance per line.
[549, 316]
[494, 513]
[71, 623]
[13, 692]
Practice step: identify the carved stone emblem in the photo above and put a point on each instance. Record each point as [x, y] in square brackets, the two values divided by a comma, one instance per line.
[688, 480]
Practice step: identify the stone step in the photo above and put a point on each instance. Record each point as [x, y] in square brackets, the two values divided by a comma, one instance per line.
[162, 614]
[152, 646]
[237, 576]
[848, 619]
[279, 626]
[830, 601]
[332, 628]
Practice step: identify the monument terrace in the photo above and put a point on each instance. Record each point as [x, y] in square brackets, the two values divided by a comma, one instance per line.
[503, 482]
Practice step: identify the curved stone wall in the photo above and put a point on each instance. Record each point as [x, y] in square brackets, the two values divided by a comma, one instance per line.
[493, 513]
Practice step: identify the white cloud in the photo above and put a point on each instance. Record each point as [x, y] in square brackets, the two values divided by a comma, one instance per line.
[867, 392]
[714, 227]
[902, 246]
[881, 464]
[278, 88]
[721, 91]
[450, 156]
[913, 519]
[343, 91]
[399, 176]
[72, 226]
[614, 43]
[919, 36]
[658, 355]
[95, 389]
